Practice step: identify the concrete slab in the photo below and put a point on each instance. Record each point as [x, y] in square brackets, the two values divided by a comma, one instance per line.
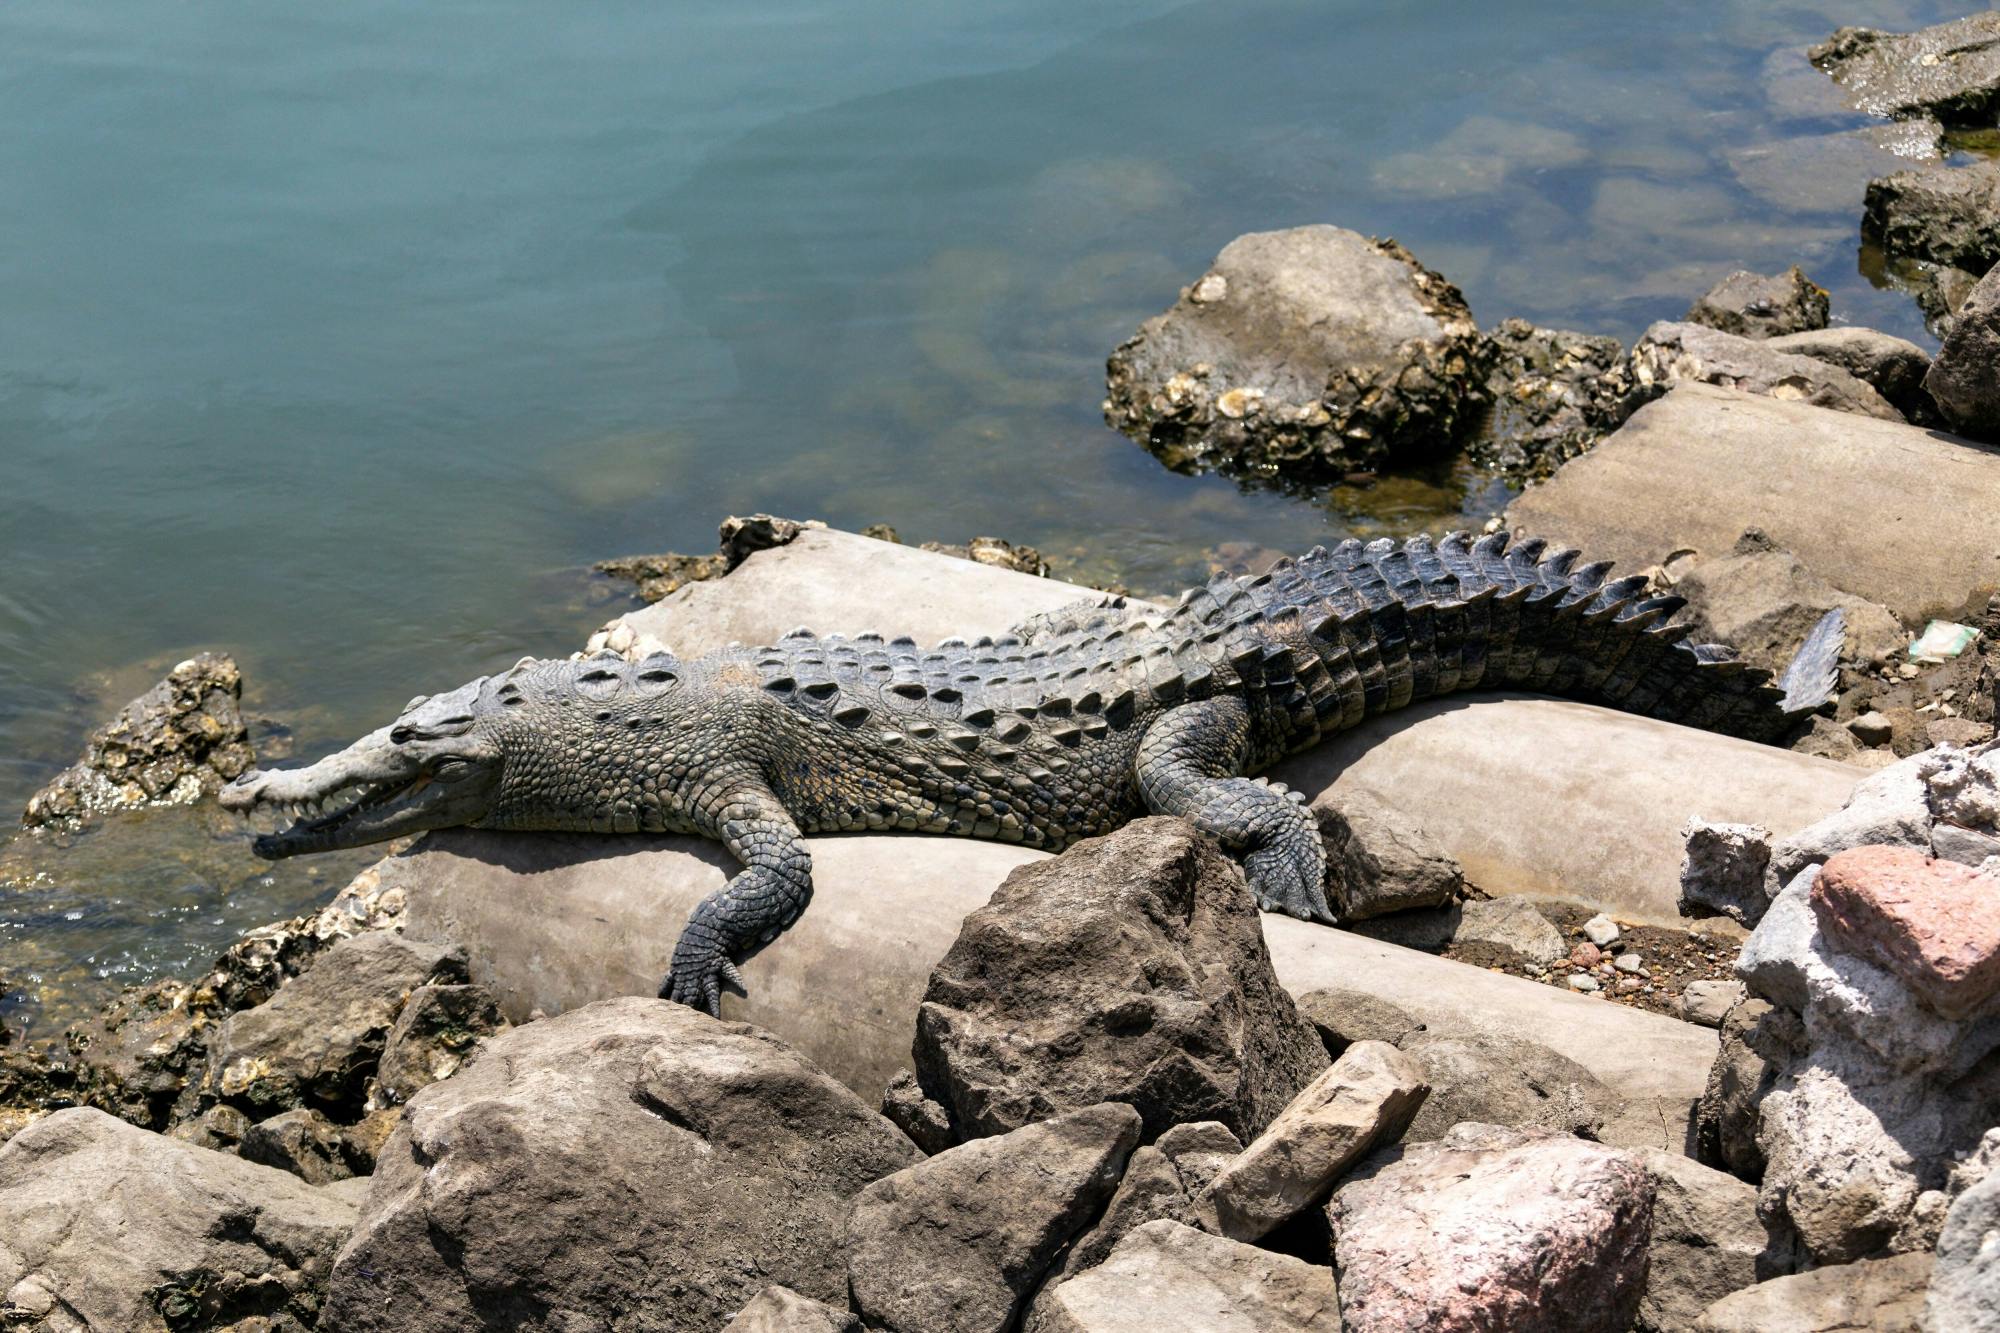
[1903, 516]
[557, 921]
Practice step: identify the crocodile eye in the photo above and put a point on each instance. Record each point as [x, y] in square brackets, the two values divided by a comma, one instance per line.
[401, 736]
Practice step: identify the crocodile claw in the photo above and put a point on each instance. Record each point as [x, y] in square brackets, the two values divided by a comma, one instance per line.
[696, 978]
[1284, 880]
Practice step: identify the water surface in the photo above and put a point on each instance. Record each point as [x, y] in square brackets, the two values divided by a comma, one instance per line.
[343, 339]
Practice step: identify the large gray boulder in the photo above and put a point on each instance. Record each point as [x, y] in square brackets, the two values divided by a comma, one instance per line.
[1494, 1228]
[1950, 71]
[1763, 602]
[960, 1241]
[1305, 352]
[1941, 214]
[1670, 354]
[1380, 861]
[1131, 968]
[632, 1163]
[1169, 1276]
[1965, 381]
[105, 1226]
[1505, 1080]
[1758, 305]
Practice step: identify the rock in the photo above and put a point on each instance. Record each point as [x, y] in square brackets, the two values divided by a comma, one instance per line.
[1494, 1228]
[630, 1161]
[1959, 731]
[219, 1128]
[1724, 870]
[1368, 1097]
[1962, 382]
[1889, 808]
[1753, 305]
[316, 1042]
[1763, 602]
[1757, 1039]
[1895, 367]
[1827, 173]
[1130, 968]
[1811, 479]
[1601, 930]
[1967, 1276]
[1870, 728]
[658, 576]
[1950, 71]
[1345, 1016]
[1379, 861]
[961, 1240]
[782, 1310]
[1967, 847]
[1504, 1080]
[1305, 352]
[107, 1226]
[1555, 394]
[927, 1124]
[1585, 954]
[1476, 157]
[1878, 1295]
[436, 1032]
[178, 741]
[997, 552]
[1934, 924]
[1166, 1275]
[135, 1056]
[1671, 354]
[1707, 1002]
[1943, 215]
[303, 1142]
[1164, 1180]
[1706, 1241]
[1502, 931]
[1629, 962]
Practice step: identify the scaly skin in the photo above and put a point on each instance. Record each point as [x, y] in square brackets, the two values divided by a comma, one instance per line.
[1083, 720]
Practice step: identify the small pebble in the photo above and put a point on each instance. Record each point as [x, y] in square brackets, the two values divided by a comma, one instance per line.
[1601, 930]
[1871, 728]
[1583, 981]
[1585, 954]
[1629, 962]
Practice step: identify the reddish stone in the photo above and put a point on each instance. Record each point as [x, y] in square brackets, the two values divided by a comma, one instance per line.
[1935, 924]
[1585, 954]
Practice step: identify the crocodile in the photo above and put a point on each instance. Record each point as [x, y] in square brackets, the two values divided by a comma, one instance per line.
[1063, 729]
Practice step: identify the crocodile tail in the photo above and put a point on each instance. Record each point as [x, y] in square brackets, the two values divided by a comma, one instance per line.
[1809, 681]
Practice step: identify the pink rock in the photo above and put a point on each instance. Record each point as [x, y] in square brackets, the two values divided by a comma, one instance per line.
[1585, 954]
[1935, 924]
[1493, 1228]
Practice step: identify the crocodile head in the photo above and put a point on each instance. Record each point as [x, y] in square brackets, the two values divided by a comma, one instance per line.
[437, 766]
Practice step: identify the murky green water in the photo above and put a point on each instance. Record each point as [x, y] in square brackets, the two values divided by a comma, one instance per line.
[341, 339]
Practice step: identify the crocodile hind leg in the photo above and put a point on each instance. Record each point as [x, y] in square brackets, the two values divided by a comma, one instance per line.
[1190, 764]
[751, 909]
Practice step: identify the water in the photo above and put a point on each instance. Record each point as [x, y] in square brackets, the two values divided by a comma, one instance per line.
[344, 339]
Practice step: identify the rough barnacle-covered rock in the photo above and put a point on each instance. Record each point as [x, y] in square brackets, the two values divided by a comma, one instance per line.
[107, 1226]
[1940, 214]
[1670, 354]
[1963, 381]
[632, 1163]
[1554, 393]
[1494, 1228]
[1950, 71]
[180, 740]
[317, 1041]
[1131, 968]
[961, 1240]
[436, 1032]
[1756, 305]
[135, 1057]
[1304, 353]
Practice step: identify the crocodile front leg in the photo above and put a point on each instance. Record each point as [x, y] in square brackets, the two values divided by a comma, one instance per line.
[1190, 764]
[754, 907]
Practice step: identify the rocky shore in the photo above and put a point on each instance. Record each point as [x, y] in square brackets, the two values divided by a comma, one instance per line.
[1623, 1024]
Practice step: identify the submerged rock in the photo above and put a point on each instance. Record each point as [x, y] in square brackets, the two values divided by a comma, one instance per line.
[1494, 1228]
[1950, 71]
[1130, 968]
[107, 1226]
[1670, 354]
[1965, 381]
[1757, 305]
[629, 1163]
[962, 1240]
[178, 741]
[1302, 353]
